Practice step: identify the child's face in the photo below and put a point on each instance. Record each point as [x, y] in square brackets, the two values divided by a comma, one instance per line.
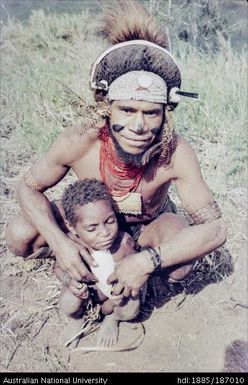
[97, 224]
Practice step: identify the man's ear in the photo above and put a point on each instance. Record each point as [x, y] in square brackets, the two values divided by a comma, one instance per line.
[70, 228]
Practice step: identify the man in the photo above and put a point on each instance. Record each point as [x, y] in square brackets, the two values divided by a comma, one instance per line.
[133, 148]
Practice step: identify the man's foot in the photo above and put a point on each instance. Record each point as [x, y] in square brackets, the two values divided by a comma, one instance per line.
[108, 332]
[72, 329]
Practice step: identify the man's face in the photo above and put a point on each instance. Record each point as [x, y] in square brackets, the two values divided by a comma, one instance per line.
[96, 224]
[135, 124]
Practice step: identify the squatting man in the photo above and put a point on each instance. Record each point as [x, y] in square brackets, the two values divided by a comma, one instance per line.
[130, 144]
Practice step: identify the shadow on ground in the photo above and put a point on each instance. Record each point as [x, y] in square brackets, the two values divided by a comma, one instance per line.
[236, 357]
[210, 269]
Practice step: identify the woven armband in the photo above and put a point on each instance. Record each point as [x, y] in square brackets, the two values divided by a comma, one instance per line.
[207, 214]
[31, 182]
[154, 256]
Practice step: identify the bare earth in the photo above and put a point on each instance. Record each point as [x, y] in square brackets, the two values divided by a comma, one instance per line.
[195, 326]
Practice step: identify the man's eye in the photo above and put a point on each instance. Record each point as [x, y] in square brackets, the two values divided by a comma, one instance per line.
[151, 113]
[91, 229]
[127, 110]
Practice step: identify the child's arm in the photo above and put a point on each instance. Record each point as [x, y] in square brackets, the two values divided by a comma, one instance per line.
[126, 246]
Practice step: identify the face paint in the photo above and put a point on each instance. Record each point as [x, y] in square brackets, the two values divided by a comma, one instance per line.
[157, 130]
[117, 127]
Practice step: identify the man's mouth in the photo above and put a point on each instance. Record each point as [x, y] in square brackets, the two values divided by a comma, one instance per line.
[137, 141]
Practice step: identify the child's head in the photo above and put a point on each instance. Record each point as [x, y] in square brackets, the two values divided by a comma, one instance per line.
[88, 208]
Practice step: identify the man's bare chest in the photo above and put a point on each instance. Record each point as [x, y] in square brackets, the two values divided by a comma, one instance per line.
[153, 186]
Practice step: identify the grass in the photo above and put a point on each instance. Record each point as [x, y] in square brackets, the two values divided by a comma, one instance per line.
[46, 65]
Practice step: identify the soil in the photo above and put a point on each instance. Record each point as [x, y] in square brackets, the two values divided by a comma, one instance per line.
[197, 325]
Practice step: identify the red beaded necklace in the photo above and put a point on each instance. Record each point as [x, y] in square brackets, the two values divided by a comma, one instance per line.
[120, 178]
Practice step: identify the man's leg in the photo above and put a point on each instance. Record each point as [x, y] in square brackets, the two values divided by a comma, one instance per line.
[23, 239]
[161, 230]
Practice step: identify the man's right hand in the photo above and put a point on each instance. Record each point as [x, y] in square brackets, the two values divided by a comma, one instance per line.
[70, 256]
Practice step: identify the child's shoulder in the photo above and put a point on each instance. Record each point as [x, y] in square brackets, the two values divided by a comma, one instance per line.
[127, 239]
[124, 242]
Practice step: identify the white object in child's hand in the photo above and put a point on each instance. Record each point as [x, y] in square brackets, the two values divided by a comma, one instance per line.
[104, 269]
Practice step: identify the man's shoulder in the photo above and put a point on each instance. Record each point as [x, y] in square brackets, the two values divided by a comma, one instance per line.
[182, 152]
[72, 144]
[184, 149]
[184, 158]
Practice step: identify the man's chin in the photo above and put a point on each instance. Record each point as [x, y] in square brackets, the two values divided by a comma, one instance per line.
[135, 157]
[132, 155]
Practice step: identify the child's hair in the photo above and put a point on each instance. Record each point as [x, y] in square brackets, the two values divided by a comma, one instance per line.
[80, 193]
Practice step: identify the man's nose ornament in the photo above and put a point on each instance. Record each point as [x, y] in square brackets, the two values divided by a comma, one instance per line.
[139, 128]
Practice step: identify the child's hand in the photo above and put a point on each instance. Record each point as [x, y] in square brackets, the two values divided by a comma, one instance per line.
[79, 289]
[117, 299]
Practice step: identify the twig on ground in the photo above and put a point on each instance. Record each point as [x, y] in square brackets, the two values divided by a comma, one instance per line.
[239, 303]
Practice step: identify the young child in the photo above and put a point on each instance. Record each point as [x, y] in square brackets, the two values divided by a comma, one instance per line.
[89, 214]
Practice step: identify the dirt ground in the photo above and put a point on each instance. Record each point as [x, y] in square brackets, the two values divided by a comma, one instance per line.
[197, 325]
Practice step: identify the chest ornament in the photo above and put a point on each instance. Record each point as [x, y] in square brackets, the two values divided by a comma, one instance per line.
[131, 203]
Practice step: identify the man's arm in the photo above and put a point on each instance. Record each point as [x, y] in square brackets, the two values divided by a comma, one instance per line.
[190, 242]
[47, 172]
[197, 240]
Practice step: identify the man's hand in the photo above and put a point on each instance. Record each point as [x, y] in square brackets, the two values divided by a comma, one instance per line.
[130, 274]
[70, 256]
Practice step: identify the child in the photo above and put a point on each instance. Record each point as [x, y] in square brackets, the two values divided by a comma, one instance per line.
[89, 215]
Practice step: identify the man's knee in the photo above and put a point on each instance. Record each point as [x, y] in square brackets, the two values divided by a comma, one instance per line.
[162, 229]
[179, 273]
[19, 234]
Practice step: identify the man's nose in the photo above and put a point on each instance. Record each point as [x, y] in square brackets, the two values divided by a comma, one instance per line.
[139, 124]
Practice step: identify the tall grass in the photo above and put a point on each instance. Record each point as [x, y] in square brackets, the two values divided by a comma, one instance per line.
[46, 65]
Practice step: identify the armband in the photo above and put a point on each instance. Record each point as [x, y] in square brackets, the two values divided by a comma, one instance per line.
[31, 182]
[206, 214]
[154, 256]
